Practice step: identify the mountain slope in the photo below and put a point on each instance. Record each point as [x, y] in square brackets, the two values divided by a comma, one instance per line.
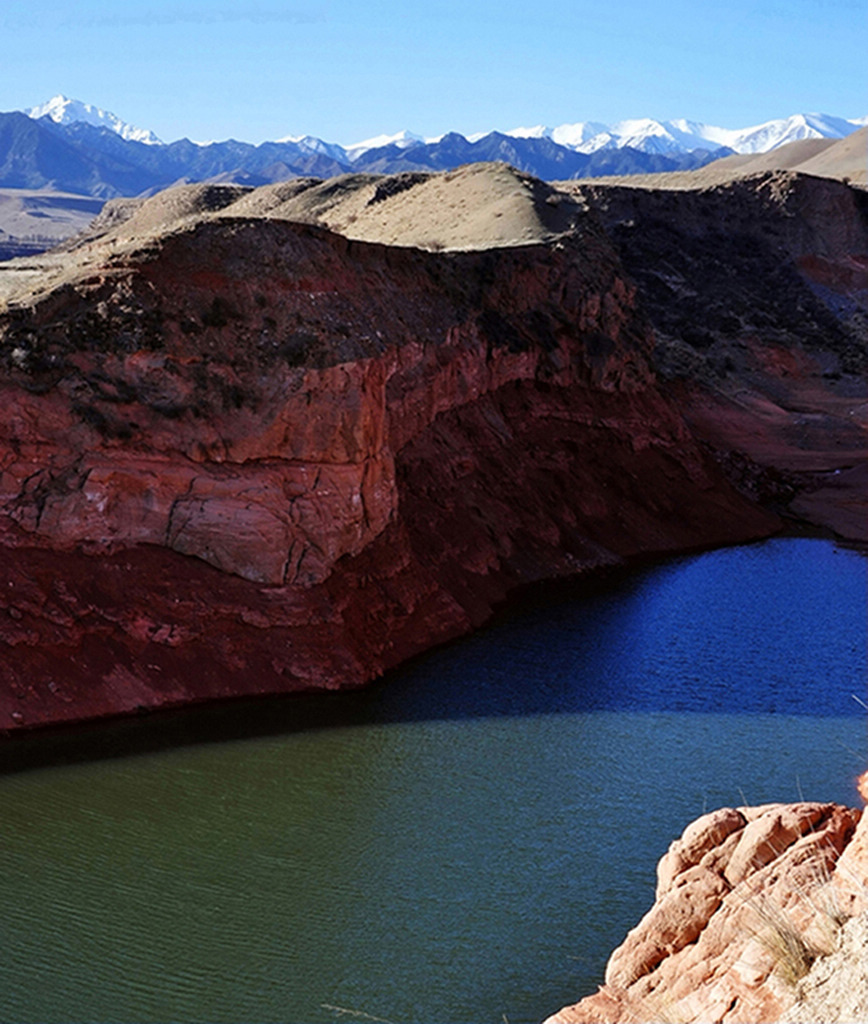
[32, 155]
[844, 159]
[681, 135]
[847, 158]
[827, 158]
[32, 221]
[644, 134]
[95, 160]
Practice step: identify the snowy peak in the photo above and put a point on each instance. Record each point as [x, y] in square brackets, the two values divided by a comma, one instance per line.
[403, 140]
[661, 138]
[578, 135]
[311, 144]
[539, 131]
[763, 137]
[682, 135]
[573, 136]
[644, 134]
[66, 111]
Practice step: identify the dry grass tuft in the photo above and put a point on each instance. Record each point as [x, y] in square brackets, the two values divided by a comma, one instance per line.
[793, 954]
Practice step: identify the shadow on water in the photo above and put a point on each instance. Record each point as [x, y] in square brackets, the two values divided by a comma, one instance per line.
[777, 627]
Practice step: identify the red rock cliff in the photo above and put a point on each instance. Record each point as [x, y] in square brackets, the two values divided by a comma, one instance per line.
[255, 457]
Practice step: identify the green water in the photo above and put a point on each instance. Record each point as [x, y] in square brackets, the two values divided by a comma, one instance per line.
[469, 866]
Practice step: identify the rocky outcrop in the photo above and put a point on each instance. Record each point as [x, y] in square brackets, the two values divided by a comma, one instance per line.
[255, 457]
[758, 294]
[836, 987]
[748, 900]
[241, 454]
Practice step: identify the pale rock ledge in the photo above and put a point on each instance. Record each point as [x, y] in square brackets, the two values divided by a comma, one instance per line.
[754, 907]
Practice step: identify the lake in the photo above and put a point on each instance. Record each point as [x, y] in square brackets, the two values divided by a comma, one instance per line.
[463, 844]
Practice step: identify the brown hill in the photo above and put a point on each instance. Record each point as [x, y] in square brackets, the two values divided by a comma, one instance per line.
[847, 158]
[784, 158]
[478, 206]
[32, 220]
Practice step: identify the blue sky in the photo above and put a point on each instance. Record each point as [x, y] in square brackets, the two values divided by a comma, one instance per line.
[214, 69]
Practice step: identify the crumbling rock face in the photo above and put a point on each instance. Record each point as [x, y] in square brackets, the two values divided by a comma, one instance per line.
[248, 455]
[250, 417]
[747, 900]
[255, 457]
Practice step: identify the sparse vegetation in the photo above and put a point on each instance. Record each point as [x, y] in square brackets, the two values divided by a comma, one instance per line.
[219, 313]
[792, 953]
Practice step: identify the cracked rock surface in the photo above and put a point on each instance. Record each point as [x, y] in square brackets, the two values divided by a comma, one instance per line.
[748, 899]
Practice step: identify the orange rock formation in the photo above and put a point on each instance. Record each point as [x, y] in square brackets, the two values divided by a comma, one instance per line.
[747, 899]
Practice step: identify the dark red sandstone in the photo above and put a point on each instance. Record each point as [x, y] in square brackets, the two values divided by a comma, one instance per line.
[259, 458]
[255, 457]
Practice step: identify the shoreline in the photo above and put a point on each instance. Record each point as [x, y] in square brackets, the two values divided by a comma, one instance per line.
[151, 730]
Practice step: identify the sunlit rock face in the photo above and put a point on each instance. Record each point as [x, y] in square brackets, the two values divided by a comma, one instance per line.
[751, 904]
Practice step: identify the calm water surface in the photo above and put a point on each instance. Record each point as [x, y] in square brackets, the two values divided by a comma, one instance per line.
[463, 845]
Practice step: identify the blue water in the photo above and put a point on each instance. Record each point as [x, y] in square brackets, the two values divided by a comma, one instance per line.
[464, 843]
[778, 627]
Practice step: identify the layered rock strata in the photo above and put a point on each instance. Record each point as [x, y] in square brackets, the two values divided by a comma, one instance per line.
[243, 453]
[753, 906]
[253, 456]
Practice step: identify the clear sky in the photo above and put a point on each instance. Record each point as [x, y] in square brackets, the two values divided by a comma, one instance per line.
[345, 70]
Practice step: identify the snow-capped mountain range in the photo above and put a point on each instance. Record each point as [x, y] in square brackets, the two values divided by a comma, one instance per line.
[68, 146]
[644, 134]
[650, 136]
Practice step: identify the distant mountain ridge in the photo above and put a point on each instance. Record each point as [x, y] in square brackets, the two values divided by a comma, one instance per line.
[644, 134]
[75, 147]
[681, 135]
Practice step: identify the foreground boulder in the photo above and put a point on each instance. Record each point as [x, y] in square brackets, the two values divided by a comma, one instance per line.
[748, 901]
